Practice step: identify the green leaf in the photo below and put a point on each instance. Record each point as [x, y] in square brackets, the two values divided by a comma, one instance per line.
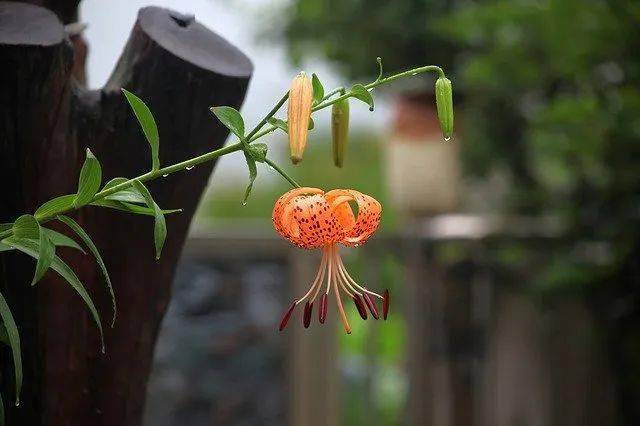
[160, 226]
[30, 248]
[131, 208]
[4, 247]
[54, 206]
[5, 226]
[14, 343]
[130, 194]
[253, 172]
[26, 226]
[360, 92]
[61, 240]
[312, 124]
[231, 118]
[280, 124]
[318, 90]
[148, 125]
[258, 152]
[45, 255]
[75, 227]
[89, 182]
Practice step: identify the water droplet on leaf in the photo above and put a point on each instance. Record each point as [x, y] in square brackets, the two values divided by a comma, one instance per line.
[17, 402]
[165, 175]
[189, 167]
[447, 138]
[244, 203]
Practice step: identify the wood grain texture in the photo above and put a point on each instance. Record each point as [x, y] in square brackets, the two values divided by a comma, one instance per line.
[179, 68]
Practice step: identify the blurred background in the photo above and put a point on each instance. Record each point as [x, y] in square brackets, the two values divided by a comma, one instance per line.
[511, 252]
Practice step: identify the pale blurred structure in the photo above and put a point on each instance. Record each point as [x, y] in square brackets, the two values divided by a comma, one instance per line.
[423, 171]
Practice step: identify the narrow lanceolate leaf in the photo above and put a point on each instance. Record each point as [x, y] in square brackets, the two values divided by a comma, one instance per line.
[148, 125]
[318, 89]
[231, 118]
[4, 247]
[30, 247]
[160, 226]
[253, 172]
[280, 124]
[54, 206]
[86, 239]
[5, 226]
[131, 208]
[26, 226]
[14, 343]
[89, 182]
[360, 92]
[130, 194]
[61, 240]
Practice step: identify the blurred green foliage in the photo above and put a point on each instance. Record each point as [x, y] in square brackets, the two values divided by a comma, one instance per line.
[548, 96]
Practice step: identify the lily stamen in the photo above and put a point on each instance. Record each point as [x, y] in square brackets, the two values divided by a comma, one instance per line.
[313, 219]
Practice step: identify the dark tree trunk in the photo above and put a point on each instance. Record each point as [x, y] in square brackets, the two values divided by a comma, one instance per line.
[48, 120]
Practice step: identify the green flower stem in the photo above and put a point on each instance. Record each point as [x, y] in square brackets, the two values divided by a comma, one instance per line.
[279, 170]
[381, 81]
[254, 135]
[249, 137]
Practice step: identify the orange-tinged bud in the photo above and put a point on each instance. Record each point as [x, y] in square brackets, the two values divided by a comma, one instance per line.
[298, 114]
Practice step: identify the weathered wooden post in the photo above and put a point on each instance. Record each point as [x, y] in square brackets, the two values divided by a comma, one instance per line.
[179, 68]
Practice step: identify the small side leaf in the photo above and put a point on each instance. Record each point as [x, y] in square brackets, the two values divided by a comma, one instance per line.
[129, 194]
[14, 342]
[253, 172]
[280, 124]
[318, 89]
[360, 92]
[148, 125]
[160, 226]
[86, 239]
[61, 240]
[30, 248]
[131, 208]
[258, 152]
[231, 118]
[56, 205]
[312, 124]
[26, 226]
[89, 182]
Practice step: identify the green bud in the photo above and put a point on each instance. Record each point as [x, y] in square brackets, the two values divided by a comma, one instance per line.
[444, 104]
[340, 130]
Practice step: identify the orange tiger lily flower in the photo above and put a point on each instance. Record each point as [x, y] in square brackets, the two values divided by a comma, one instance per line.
[313, 219]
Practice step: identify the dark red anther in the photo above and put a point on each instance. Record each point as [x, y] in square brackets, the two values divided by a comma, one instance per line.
[308, 308]
[287, 315]
[361, 309]
[371, 304]
[322, 312]
[385, 304]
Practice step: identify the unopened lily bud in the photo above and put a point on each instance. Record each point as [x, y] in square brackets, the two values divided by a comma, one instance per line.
[340, 130]
[298, 114]
[444, 104]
